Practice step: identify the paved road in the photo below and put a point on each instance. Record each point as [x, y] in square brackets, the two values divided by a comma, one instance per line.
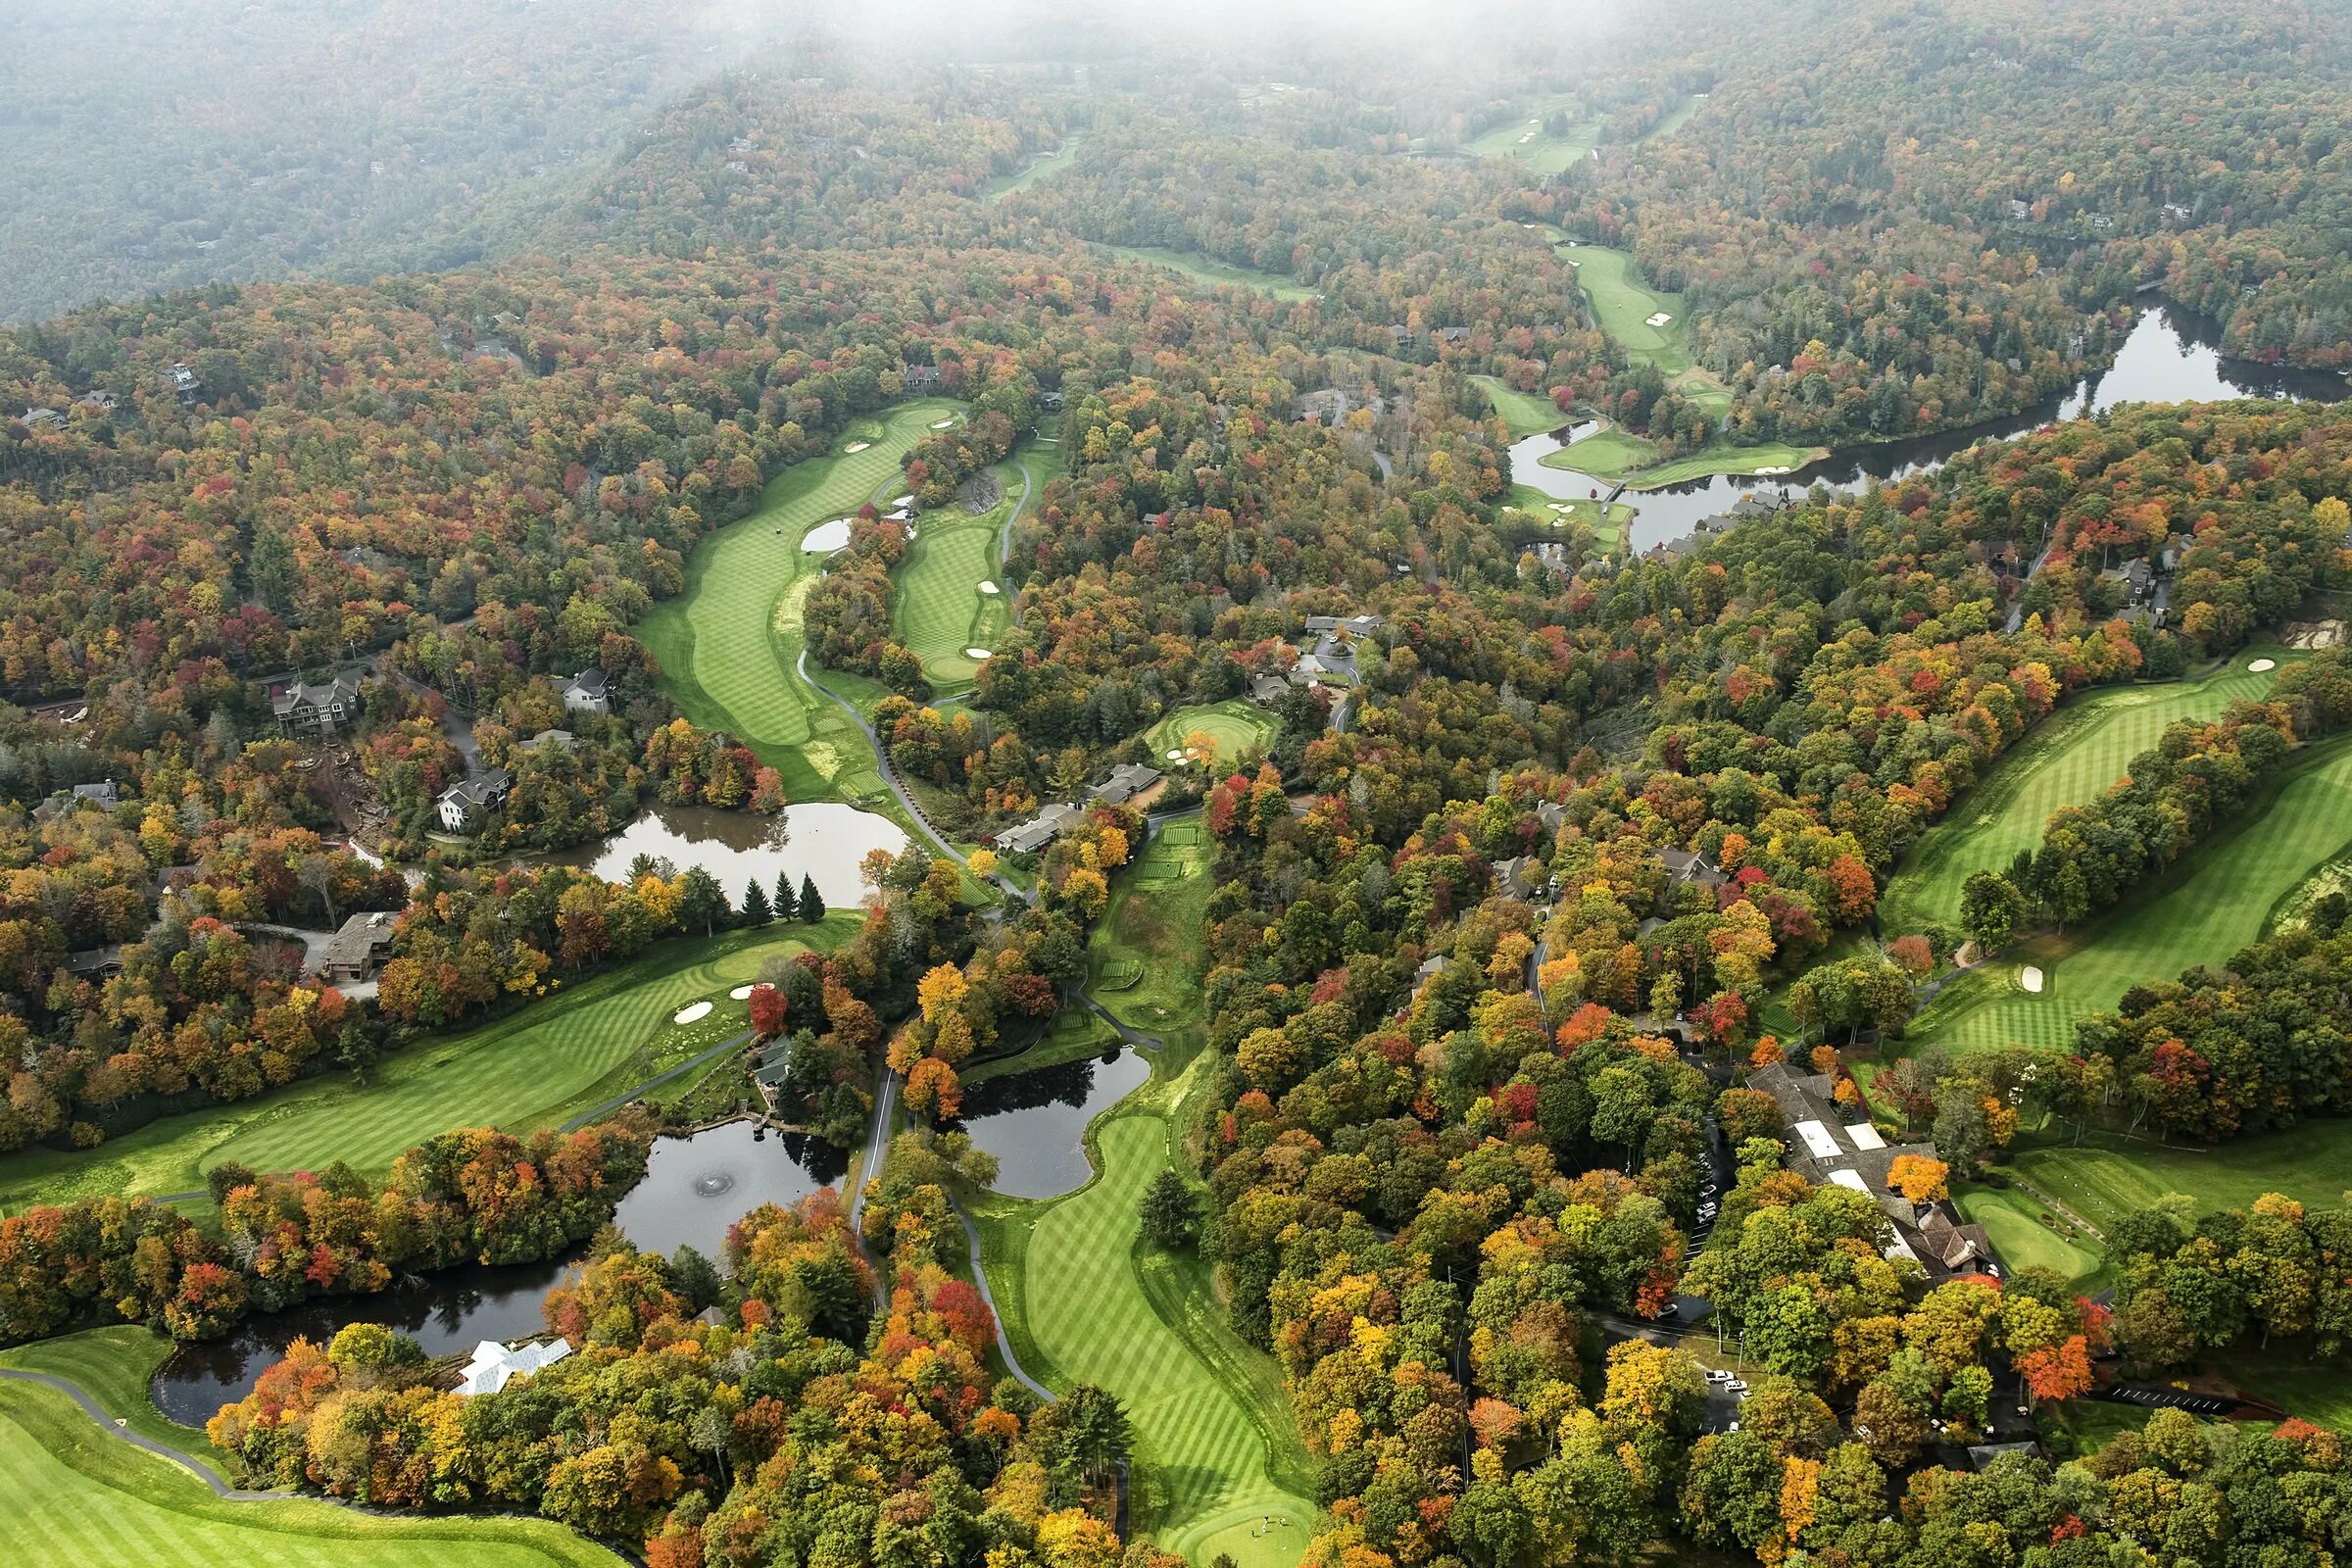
[869, 1171]
[657, 1081]
[971, 1238]
[1004, 539]
[108, 1424]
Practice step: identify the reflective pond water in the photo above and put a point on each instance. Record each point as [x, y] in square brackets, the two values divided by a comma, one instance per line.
[823, 839]
[1035, 1122]
[694, 1189]
[2170, 356]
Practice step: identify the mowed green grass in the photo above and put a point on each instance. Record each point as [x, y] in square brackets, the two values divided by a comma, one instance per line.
[2012, 1220]
[2069, 760]
[1721, 457]
[1524, 142]
[729, 644]
[1209, 270]
[2214, 901]
[1605, 454]
[1236, 726]
[536, 1068]
[114, 1366]
[940, 610]
[1622, 306]
[2108, 1176]
[72, 1495]
[1151, 931]
[1522, 412]
[1045, 165]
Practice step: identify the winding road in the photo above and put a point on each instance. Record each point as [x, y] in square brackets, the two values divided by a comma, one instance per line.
[163, 1451]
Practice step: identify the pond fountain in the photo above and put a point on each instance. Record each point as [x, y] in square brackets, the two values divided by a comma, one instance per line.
[1035, 1122]
[695, 1188]
[822, 839]
[2170, 356]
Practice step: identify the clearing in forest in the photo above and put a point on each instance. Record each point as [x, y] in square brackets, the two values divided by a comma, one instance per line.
[2068, 760]
[1216, 274]
[1523, 414]
[1233, 726]
[1530, 142]
[72, 1493]
[730, 645]
[2216, 899]
[552, 1061]
[1040, 167]
[941, 612]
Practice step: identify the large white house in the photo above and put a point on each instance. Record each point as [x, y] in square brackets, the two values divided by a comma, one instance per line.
[493, 1364]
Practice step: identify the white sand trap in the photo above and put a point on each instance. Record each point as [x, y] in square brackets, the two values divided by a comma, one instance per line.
[977, 652]
[941, 425]
[693, 1012]
[1175, 754]
[856, 446]
[2030, 978]
[741, 994]
[828, 537]
[1660, 318]
[989, 588]
[2261, 664]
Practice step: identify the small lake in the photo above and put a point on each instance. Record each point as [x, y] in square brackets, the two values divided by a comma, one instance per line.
[2170, 356]
[697, 1187]
[1035, 1122]
[694, 1189]
[822, 839]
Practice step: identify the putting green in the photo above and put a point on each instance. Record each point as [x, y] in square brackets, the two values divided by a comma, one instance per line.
[1236, 727]
[70, 1493]
[2215, 901]
[544, 1064]
[731, 642]
[2068, 760]
[2013, 1220]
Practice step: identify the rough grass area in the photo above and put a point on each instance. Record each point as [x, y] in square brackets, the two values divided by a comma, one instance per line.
[72, 1495]
[114, 1366]
[731, 642]
[1522, 412]
[554, 1058]
[1524, 142]
[1209, 270]
[2214, 901]
[2108, 1176]
[2068, 760]
[1235, 726]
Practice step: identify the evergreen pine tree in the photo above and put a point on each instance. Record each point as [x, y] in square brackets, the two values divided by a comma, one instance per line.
[813, 902]
[787, 902]
[755, 910]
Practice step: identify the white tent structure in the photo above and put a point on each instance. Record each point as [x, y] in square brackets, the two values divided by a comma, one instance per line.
[493, 1364]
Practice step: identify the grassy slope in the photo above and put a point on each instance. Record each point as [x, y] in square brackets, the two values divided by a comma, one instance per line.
[1522, 412]
[1545, 154]
[940, 610]
[70, 1493]
[728, 645]
[2215, 901]
[533, 1070]
[2069, 761]
[114, 1366]
[1047, 164]
[1622, 304]
[1234, 724]
[2012, 1220]
[1216, 274]
[1769, 457]
[2108, 1177]
[1085, 1302]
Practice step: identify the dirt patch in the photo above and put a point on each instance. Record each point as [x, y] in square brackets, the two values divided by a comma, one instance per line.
[982, 492]
[2315, 634]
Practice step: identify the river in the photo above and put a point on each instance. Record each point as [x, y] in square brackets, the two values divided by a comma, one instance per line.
[2170, 356]
[822, 839]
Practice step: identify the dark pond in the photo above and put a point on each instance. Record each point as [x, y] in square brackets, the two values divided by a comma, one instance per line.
[2172, 355]
[694, 1189]
[1035, 1122]
[823, 839]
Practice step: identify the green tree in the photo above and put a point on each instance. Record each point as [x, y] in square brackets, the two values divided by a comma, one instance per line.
[1168, 1215]
[1990, 908]
[756, 908]
[811, 902]
[701, 900]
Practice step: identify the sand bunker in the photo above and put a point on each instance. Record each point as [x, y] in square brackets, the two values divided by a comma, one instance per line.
[693, 1012]
[976, 652]
[988, 588]
[856, 446]
[828, 537]
[741, 993]
[2261, 664]
[941, 425]
[2030, 978]
[1175, 754]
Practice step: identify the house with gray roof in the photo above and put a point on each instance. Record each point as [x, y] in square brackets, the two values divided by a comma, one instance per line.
[587, 692]
[317, 706]
[1039, 831]
[462, 805]
[1125, 783]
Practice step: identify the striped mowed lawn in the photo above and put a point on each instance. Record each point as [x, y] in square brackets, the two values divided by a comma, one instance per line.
[1203, 1480]
[2109, 1176]
[532, 1069]
[940, 610]
[2069, 760]
[2216, 899]
[731, 642]
[1234, 725]
[70, 1493]
[114, 1366]
[1522, 413]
